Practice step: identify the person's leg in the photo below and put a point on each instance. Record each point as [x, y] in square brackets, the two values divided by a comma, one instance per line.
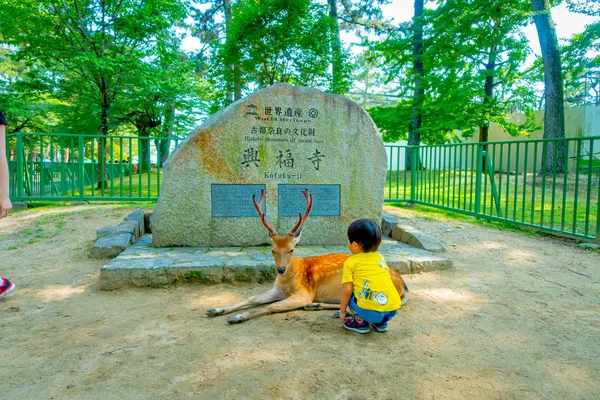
[383, 325]
[6, 286]
[356, 323]
[372, 317]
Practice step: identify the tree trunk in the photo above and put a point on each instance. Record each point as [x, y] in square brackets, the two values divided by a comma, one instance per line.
[164, 144]
[103, 130]
[554, 112]
[488, 89]
[144, 146]
[229, 82]
[416, 113]
[337, 78]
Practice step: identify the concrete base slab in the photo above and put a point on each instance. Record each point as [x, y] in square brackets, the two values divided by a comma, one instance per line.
[144, 265]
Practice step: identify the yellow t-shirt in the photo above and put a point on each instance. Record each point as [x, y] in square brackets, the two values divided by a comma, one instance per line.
[373, 286]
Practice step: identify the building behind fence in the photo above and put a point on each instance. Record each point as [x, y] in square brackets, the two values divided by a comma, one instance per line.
[579, 122]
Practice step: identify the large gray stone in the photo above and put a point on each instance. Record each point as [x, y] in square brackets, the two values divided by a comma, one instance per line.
[283, 150]
[111, 246]
[418, 239]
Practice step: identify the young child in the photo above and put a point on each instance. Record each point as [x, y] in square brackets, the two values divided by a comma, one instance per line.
[368, 289]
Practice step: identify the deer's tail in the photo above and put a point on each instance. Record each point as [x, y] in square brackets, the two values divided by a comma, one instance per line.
[400, 286]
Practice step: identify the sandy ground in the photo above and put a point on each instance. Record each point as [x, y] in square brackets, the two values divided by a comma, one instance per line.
[518, 318]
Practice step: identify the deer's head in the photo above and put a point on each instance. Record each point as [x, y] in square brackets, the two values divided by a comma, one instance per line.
[283, 246]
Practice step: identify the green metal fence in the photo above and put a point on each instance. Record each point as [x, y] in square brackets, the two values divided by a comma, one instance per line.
[86, 167]
[519, 181]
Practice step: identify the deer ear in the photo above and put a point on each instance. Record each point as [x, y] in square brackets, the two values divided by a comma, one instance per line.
[298, 234]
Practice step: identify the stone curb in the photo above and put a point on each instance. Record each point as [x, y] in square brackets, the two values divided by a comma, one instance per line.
[144, 265]
[112, 240]
[390, 226]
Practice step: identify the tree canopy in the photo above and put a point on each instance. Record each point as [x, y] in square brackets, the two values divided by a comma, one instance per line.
[117, 66]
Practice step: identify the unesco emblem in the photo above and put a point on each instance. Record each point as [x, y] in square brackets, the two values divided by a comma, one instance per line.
[313, 113]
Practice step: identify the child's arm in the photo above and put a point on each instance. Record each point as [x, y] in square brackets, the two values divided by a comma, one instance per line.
[345, 298]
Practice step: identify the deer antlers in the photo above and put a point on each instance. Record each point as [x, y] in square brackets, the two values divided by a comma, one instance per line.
[263, 216]
[302, 219]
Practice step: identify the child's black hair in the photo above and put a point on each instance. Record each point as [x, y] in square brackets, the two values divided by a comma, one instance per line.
[366, 233]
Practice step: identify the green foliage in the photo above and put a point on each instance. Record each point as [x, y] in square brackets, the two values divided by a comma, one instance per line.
[92, 57]
[392, 121]
[277, 41]
[466, 44]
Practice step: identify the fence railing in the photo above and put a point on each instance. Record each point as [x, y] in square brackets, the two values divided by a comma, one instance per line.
[86, 167]
[552, 185]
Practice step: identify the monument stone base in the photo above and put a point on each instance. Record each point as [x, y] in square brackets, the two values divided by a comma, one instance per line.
[144, 265]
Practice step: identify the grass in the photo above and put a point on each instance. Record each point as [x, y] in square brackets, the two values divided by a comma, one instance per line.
[137, 186]
[47, 227]
[436, 214]
[563, 202]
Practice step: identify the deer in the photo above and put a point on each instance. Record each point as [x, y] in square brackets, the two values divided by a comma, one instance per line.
[313, 283]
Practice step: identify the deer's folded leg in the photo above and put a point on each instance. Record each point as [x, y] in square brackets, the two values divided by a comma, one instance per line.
[291, 303]
[321, 306]
[267, 297]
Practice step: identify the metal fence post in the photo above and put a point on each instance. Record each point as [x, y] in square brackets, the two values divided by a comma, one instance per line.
[597, 240]
[81, 183]
[20, 167]
[478, 173]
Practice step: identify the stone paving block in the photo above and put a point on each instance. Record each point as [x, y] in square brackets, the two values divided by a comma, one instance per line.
[589, 245]
[111, 245]
[124, 227]
[138, 217]
[418, 239]
[19, 205]
[388, 222]
[144, 265]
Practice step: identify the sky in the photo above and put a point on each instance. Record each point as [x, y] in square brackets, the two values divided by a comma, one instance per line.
[567, 23]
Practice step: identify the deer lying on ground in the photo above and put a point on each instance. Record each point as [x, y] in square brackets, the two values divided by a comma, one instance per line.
[314, 283]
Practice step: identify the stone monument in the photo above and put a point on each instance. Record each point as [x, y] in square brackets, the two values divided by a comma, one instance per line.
[283, 139]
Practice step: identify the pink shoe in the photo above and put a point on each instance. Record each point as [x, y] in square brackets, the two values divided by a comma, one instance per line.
[6, 287]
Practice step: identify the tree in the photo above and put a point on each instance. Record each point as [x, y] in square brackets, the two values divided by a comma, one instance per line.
[554, 113]
[581, 67]
[166, 91]
[276, 41]
[359, 17]
[470, 54]
[416, 112]
[211, 25]
[92, 46]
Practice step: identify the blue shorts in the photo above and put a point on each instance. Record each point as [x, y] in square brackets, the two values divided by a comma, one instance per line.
[372, 317]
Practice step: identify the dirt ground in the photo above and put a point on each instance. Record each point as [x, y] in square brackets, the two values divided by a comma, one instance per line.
[517, 318]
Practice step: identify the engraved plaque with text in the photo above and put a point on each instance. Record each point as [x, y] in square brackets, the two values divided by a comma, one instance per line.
[326, 200]
[234, 200]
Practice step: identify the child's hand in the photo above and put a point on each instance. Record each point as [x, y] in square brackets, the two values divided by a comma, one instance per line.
[343, 316]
